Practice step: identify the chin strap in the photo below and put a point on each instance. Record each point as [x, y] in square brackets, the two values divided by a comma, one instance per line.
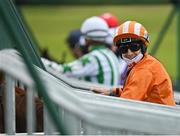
[134, 60]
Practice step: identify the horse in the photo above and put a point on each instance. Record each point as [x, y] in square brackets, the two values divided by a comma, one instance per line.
[20, 103]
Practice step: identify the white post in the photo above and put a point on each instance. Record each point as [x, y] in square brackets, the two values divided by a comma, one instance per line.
[10, 106]
[49, 127]
[30, 112]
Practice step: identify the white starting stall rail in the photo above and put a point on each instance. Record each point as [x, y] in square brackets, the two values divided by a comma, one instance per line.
[13, 67]
[86, 86]
[85, 112]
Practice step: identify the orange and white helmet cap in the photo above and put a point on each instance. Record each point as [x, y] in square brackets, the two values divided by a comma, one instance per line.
[132, 29]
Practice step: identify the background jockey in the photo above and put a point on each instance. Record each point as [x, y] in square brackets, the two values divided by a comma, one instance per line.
[113, 24]
[100, 65]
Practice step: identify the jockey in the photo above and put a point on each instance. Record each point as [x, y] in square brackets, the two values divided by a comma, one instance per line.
[76, 43]
[147, 79]
[100, 64]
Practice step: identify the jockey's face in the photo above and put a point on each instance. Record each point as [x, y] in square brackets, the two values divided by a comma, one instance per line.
[131, 54]
[130, 50]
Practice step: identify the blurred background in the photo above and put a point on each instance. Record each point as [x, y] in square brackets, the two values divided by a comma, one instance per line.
[51, 21]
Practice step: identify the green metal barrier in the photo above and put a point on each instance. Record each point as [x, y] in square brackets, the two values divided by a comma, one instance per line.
[16, 37]
[19, 30]
[5, 40]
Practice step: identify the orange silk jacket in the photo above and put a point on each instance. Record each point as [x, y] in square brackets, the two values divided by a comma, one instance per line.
[148, 81]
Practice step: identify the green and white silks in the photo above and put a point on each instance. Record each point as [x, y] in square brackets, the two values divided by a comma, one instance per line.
[99, 66]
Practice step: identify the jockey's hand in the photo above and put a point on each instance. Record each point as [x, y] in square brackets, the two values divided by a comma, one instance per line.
[101, 90]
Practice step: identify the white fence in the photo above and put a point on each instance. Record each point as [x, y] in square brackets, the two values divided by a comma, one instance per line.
[85, 112]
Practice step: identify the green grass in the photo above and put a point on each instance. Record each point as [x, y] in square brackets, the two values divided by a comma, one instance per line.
[51, 24]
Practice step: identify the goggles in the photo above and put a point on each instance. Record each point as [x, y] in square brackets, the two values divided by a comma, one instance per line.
[128, 43]
[132, 46]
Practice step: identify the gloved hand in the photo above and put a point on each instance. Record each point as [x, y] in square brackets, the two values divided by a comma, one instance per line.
[51, 66]
[101, 90]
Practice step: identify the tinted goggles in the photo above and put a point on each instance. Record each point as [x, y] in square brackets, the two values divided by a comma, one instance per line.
[128, 43]
[132, 46]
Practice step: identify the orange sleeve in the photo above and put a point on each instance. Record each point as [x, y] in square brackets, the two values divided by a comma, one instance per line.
[138, 85]
[117, 91]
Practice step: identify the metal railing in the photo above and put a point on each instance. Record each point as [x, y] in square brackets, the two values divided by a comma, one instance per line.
[101, 113]
[12, 74]
[87, 113]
